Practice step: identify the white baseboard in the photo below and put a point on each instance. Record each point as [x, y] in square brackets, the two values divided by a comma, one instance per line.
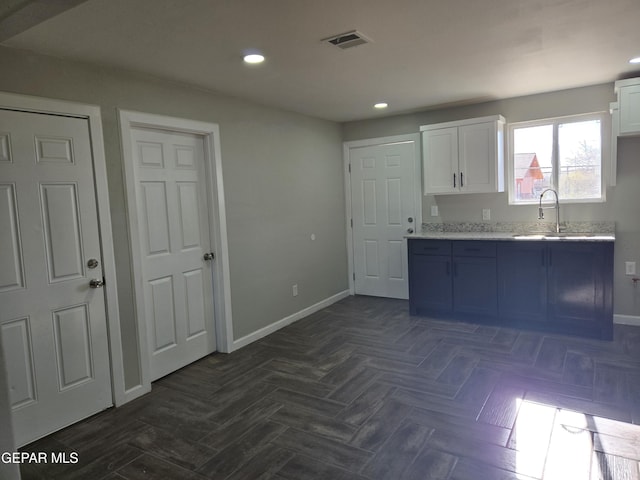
[263, 332]
[626, 320]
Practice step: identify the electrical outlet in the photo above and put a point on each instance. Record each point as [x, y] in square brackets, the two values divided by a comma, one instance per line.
[630, 268]
[294, 290]
[486, 214]
[434, 210]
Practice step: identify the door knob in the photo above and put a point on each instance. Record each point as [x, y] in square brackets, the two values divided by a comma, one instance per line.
[410, 219]
[409, 230]
[96, 283]
[209, 256]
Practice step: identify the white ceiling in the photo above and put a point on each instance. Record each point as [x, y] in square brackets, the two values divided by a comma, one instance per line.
[425, 53]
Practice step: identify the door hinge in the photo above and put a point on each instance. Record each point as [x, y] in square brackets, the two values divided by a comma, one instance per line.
[354, 276]
[352, 223]
[349, 168]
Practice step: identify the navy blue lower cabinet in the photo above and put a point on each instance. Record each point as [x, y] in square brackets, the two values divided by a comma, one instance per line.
[452, 277]
[475, 286]
[430, 284]
[580, 284]
[522, 282]
[475, 279]
[430, 276]
[556, 286]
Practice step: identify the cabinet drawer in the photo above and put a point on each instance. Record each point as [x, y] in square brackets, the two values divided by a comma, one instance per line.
[474, 248]
[430, 247]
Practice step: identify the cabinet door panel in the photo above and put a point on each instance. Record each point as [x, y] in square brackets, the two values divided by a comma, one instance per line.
[630, 109]
[522, 281]
[477, 157]
[440, 160]
[475, 285]
[430, 283]
[576, 285]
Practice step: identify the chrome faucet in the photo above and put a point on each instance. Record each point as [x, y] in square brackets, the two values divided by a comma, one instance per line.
[556, 207]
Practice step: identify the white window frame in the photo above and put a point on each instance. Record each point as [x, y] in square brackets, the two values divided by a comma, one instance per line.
[606, 174]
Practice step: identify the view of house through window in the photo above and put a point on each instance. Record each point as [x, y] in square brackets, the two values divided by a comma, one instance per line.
[563, 154]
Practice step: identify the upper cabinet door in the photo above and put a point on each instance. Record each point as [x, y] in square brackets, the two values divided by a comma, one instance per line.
[629, 100]
[440, 160]
[477, 158]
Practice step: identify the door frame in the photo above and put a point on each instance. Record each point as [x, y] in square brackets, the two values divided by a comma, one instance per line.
[417, 187]
[90, 113]
[217, 226]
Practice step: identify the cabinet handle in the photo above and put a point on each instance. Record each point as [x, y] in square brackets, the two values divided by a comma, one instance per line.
[454, 180]
[461, 180]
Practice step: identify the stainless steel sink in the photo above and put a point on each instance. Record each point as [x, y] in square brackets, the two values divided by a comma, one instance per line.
[558, 236]
[569, 234]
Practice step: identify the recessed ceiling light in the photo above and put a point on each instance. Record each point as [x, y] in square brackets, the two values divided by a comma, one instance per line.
[254, 58]
[635, 60]
[381, 105]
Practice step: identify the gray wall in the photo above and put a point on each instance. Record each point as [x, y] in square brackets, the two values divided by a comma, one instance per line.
[283, 181]
[623, 200]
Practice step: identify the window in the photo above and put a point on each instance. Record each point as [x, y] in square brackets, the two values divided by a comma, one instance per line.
[563, 153]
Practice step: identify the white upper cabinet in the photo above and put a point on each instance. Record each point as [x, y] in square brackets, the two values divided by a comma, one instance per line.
[440, 160]
[628, 106]
[463, 157]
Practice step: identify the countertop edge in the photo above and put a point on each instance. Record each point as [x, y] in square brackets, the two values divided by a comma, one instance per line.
[488, 236]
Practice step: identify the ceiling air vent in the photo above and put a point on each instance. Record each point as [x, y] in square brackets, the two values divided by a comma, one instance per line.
[348, 39]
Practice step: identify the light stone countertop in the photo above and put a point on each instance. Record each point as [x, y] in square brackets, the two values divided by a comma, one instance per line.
[564, 236]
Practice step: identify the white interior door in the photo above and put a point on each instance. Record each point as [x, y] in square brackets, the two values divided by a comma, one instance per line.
[383, 203]
[174, 235]
[52, 324]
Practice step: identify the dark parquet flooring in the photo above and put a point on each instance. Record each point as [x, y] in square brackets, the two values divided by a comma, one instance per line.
[361, 390]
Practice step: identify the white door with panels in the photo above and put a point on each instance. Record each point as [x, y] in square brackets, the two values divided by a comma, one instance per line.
[174, 236]
[52, 309]
[384, 208]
